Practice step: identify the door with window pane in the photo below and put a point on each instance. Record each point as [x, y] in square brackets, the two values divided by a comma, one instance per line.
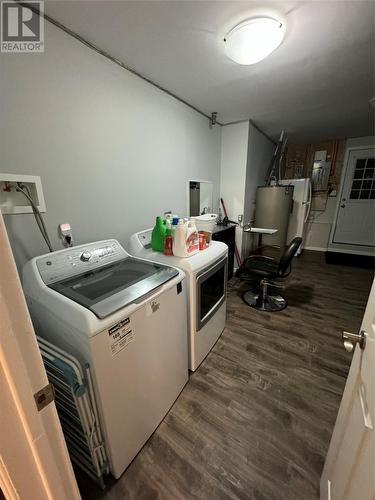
[355, 223]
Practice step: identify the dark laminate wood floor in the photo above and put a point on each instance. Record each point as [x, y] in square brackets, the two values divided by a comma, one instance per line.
[255, 420]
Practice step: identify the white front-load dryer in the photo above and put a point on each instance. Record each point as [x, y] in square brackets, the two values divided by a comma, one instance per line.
[206, 273]
[124, 316]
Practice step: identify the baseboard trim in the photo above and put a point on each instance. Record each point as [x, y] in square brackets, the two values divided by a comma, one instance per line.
[349, 259]
[350, 249]
[316, 249]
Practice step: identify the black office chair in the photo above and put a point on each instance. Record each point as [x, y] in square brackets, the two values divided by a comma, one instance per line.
[265, 270]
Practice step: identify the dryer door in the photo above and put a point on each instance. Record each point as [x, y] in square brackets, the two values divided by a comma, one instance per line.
[211, 291]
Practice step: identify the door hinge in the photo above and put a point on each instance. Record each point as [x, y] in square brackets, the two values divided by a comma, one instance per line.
[44, 396]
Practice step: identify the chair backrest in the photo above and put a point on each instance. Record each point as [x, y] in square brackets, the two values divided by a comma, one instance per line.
[288, 255]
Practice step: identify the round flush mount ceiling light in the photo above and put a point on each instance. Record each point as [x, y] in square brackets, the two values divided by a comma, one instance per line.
[254, 39]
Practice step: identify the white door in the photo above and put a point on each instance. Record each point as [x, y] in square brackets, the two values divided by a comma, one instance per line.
[355, 224]
[34, 461]
[349, 471]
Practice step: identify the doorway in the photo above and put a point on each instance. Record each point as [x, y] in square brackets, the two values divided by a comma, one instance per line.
[355, 223]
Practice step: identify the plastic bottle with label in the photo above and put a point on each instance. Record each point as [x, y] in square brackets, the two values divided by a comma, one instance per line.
[185, 241]
[158, 235]
[179, 239]
[168, 242]
[192, 238]
[174, 223]
[168, 217]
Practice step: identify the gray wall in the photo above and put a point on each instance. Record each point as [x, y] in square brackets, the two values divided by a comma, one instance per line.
[234, 146]
[112, 150]
[259, 155]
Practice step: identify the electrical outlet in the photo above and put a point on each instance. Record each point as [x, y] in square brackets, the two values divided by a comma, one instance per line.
[14, 202]
[65, 232]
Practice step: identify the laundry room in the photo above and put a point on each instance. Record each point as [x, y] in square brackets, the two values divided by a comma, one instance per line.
[187, 234]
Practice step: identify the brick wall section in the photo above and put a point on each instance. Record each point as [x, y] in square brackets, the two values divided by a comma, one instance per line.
[303, 154]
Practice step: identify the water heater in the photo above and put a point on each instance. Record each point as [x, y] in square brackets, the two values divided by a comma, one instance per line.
[272, 210]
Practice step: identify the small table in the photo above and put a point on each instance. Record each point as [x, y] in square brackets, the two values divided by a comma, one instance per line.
[260, 231]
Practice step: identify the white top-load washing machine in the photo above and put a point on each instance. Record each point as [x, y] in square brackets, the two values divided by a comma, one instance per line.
[124, 316]
[206, 273]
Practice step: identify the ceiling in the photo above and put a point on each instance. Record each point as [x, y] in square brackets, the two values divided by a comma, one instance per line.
[316, 85]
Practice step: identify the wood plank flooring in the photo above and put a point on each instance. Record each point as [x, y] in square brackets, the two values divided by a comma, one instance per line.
[255, 420]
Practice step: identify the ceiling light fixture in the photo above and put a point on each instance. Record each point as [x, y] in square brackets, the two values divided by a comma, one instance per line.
[254, 39]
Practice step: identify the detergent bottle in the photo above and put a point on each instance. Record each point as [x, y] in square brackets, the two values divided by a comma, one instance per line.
[174, 223]
[185, 242]
[179, 239]
[192, 238]
[158, 235]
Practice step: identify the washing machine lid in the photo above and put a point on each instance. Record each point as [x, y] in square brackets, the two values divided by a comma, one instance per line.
[109, 288]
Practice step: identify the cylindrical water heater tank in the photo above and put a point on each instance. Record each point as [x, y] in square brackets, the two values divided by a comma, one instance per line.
[272, 210]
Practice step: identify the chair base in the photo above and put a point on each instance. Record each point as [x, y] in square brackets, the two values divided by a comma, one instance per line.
[271, 303]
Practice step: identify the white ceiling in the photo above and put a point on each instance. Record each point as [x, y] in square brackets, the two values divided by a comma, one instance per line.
[316, 85]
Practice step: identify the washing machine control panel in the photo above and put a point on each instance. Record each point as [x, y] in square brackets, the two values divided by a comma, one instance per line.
[76, 260]
[144, 238]
[85, 256]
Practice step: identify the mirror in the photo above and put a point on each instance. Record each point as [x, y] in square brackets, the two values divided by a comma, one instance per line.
[199, 197]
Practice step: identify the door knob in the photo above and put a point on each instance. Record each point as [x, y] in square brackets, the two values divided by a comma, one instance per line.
[342, 205]
[350, 339]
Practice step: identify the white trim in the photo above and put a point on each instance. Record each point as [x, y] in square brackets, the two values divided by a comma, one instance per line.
[188, 194]
[351, 251]
[316, 249]
[329, 489]
[6, 483]
[33, 451]
[339, 195]
[27, 179]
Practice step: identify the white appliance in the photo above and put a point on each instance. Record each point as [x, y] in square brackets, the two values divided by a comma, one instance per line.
[206, 274]
[302, 193]
[124, 316]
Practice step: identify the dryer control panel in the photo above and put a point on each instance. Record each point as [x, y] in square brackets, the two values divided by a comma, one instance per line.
[145, 238]
[77, 260]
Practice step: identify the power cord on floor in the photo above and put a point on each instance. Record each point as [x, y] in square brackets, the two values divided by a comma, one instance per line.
[22, 188]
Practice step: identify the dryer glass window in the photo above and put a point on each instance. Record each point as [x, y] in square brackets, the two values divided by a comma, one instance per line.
[211, 292]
